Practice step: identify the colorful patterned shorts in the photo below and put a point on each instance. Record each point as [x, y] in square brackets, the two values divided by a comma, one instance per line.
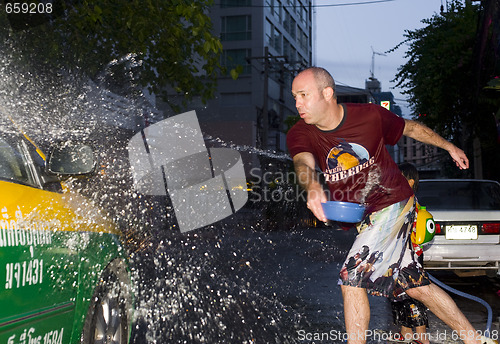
[382, 258]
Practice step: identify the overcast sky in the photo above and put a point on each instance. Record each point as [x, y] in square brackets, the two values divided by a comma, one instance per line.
[346, 34]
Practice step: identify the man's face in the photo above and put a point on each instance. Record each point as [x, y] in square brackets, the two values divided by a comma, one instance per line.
[309, 100]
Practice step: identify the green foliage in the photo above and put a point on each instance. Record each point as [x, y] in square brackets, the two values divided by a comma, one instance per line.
[446, 78]
[438, 73]
[172, 38]
[235, 72]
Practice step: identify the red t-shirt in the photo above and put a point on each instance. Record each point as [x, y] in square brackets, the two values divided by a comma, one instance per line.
[355, 162]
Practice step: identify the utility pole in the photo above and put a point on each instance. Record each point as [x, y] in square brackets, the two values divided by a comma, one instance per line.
[265, 103]
[265, 113]
[281, 100]
[284, 66]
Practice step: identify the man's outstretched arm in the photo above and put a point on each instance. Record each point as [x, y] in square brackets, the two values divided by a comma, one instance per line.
[421, 133]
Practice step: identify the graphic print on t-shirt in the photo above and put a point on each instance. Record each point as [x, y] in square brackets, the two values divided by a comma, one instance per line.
[346, 156]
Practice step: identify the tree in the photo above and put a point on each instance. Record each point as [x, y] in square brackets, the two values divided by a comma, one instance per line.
[440, 78]
[172, 39]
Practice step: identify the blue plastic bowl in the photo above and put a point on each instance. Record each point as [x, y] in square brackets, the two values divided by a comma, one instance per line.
[343, 211]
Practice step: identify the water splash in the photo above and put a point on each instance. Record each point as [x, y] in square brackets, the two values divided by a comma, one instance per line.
[201, 292]
[279, 156]
[197, 288]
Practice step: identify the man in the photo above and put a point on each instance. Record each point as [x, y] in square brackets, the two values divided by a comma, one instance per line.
[348, 141]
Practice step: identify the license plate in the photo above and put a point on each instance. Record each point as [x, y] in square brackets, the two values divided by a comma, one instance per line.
[466, 232]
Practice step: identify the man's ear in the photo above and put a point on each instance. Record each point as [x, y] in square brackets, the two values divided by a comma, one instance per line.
[328, 93]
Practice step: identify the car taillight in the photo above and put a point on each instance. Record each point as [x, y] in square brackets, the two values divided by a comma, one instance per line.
[491, 228]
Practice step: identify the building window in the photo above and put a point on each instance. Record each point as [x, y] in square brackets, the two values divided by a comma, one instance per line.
[278, 10]
[293, 29]
[303, 14]
[231, 58]
[268, 29]
[293, 54]
[275, 8]
[297, 6]
[274, 38]
[236, 28]
[235, 3]
[289, 51]
[287, 21]
[289, 24]
[278, 38]
[303, 39]
[287, 48]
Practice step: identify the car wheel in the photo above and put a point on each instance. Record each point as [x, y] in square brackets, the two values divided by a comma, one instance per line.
[108, 317]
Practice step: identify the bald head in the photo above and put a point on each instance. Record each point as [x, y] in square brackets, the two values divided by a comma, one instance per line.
[322, 77]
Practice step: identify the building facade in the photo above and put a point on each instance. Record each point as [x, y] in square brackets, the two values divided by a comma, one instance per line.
[267, 41]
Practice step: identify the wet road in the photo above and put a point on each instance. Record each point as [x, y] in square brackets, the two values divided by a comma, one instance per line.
[248, 286]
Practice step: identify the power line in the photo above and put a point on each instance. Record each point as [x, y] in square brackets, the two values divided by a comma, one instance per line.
[317, 6]
[353, 3]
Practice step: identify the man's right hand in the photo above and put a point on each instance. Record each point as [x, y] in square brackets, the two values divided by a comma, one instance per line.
[316, 196]
[307, 178]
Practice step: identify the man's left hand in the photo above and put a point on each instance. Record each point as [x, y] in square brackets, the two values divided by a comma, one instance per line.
[459, 157]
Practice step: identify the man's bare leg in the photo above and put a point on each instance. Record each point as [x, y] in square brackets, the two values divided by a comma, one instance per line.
[407, 333]
[356, 313]
[421, 334]
[443, 306]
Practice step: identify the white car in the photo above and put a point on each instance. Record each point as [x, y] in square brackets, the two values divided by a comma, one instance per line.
[467, 216]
